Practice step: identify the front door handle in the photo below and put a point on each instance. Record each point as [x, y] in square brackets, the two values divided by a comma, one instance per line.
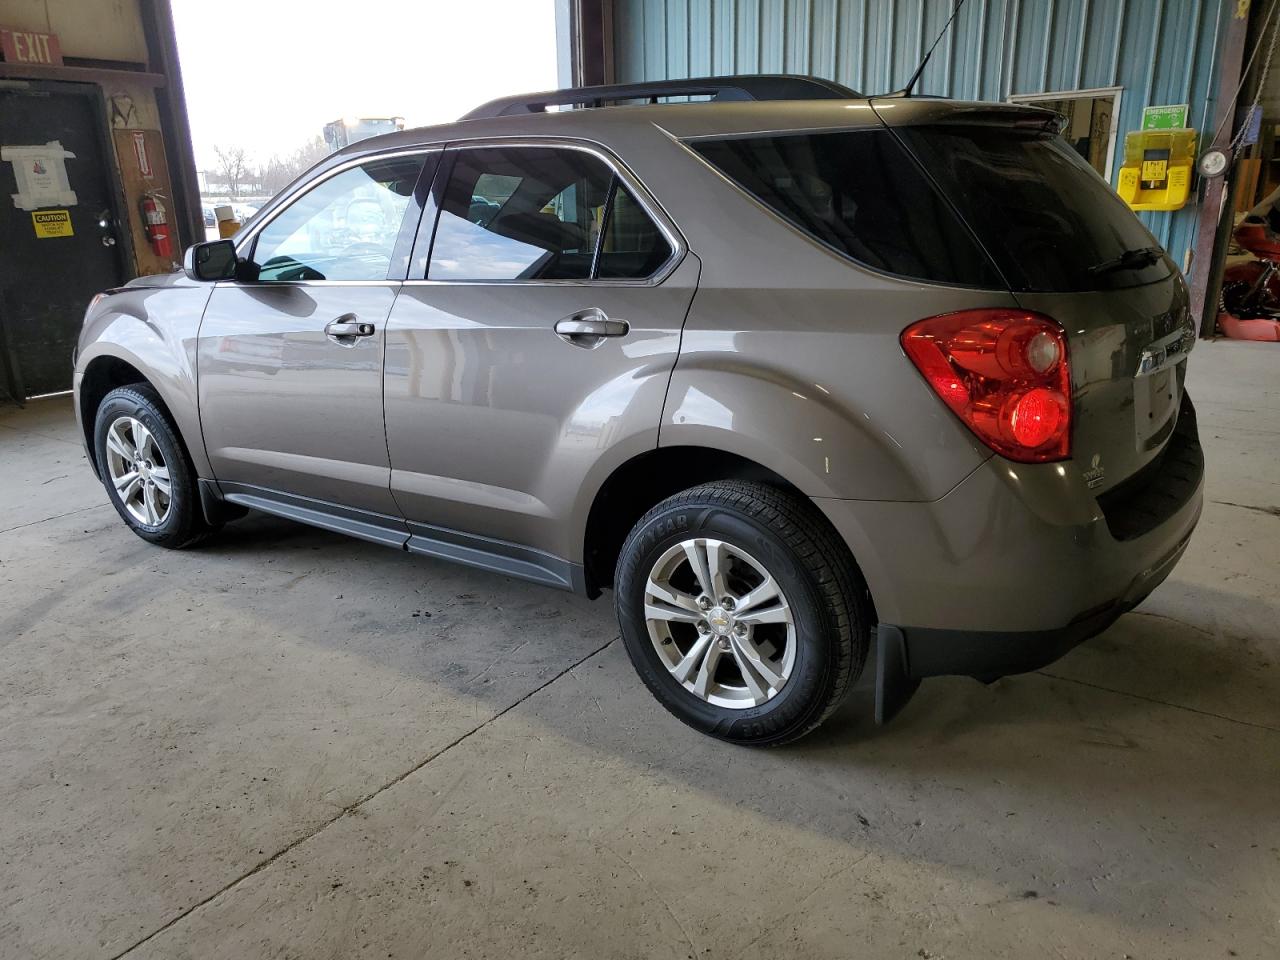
[588, 328]
[348, 327]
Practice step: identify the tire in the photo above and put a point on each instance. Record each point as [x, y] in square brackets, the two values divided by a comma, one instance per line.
[1239, 297]
[181, 523]
[1232, 299]
[755, 532]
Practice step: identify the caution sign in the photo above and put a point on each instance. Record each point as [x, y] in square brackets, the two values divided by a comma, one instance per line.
[52, 223]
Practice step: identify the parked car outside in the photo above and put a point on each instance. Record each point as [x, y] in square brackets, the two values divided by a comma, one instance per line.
[792, 377]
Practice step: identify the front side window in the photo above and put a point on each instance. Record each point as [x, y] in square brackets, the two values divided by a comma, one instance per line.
[343, 229]
[541, 213]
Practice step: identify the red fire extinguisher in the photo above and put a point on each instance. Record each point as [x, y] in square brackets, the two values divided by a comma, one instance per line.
[157, 223]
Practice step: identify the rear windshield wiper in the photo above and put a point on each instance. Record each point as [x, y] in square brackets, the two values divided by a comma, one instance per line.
[1129, 260]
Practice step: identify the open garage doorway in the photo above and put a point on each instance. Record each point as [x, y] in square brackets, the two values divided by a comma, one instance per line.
[1091, 121]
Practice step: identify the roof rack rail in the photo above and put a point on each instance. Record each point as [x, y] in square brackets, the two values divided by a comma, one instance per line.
[765, 86]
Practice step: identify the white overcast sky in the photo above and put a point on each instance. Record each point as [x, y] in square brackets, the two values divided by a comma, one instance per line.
[269, 74]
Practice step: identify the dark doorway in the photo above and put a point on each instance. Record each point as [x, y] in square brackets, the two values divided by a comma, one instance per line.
[55, 251]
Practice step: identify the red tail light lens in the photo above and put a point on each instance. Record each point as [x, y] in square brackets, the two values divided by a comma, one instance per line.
[1005, 373]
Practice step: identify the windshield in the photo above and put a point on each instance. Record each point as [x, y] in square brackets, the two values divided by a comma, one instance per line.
[1045, 216]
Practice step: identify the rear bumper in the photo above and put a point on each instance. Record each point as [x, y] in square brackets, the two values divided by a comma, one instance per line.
[1018, 563]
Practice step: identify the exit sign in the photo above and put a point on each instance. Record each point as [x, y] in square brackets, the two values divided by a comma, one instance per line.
[26, 46]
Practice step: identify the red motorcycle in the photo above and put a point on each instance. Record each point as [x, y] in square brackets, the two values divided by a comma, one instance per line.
[1250, 304]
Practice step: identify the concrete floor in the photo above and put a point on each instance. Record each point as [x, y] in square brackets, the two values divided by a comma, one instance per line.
[289, 744]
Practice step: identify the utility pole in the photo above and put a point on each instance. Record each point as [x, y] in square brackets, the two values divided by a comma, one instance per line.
[1210, 239]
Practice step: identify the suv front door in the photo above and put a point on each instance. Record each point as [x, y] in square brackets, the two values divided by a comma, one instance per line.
[534, 355]
[290, 364]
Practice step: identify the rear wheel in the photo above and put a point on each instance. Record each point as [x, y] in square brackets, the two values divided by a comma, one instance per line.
[742, 611]
[145, 469]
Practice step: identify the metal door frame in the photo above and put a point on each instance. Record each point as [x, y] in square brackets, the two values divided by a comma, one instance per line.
[1091, 93]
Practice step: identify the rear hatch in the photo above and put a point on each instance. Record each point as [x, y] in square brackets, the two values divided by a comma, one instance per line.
[1069, 248]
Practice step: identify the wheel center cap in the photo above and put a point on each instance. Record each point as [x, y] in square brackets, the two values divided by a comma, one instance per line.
[720, 620]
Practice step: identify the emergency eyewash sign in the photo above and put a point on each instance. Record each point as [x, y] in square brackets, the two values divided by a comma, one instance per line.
[1165, 117]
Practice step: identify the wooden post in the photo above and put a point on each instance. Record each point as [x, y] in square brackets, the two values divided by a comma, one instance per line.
[162, 50]
[592, 42]
[1210, 241]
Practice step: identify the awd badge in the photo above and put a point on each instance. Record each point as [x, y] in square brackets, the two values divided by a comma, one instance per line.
[1095, 474]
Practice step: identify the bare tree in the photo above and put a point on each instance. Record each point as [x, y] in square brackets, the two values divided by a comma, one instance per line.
[279, 172]
[233, 168]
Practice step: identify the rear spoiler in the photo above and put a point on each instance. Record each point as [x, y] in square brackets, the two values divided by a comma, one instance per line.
[901, 111]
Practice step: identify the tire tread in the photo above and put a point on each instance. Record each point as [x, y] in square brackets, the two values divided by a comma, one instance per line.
[193, 528]
[825, 558]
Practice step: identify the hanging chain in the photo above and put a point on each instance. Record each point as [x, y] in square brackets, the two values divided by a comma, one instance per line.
[1244, 77]
[1262, 81]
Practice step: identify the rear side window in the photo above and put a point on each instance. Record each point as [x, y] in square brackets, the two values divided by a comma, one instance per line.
[860, 194]
[541, 213]
[632, 246]
[1045, 216]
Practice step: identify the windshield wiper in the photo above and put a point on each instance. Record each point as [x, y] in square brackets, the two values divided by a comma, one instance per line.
[1129, 260]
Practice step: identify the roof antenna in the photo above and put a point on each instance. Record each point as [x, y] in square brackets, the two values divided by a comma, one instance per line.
[915, 77]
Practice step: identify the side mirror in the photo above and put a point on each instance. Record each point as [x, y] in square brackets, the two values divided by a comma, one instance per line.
[215, 260]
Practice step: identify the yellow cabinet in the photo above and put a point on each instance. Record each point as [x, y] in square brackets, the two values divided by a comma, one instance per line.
[1156, 173]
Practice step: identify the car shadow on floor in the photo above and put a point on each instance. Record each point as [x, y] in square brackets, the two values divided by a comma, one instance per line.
[1148, 660]
[1044, 782]
[1063, 787]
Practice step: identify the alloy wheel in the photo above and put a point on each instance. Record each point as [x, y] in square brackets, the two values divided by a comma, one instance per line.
[720, 623]
[138, 471]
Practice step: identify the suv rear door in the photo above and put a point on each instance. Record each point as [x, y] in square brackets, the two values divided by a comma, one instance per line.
[532, 355]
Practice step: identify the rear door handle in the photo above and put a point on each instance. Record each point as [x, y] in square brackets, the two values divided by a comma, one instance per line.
[588, 328]
[347, 327]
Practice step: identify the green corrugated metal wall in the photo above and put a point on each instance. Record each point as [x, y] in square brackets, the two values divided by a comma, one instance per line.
[1157, 51]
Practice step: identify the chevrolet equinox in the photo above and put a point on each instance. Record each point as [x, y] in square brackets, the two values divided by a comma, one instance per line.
[793, 371]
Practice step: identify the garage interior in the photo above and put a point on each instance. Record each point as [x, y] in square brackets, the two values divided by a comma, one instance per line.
[289, 743]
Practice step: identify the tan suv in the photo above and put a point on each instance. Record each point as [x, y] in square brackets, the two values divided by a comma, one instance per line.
[791, 371]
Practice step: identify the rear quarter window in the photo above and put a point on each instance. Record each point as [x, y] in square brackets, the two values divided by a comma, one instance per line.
[1050, 223]
[860, 194]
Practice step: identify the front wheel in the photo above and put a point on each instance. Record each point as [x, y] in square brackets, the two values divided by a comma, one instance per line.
[143, 465]
[742, 611]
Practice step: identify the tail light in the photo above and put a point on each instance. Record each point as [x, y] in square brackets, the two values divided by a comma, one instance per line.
[1005, 373]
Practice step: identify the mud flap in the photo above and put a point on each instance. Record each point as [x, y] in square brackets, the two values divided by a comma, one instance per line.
[894, 684]
[215, 509]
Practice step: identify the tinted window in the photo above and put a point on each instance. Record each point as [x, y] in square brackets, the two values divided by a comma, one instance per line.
[541, 213]
[343, 229]
[1043, 213]
[860, 194]
[520, 214]
[633, 247]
